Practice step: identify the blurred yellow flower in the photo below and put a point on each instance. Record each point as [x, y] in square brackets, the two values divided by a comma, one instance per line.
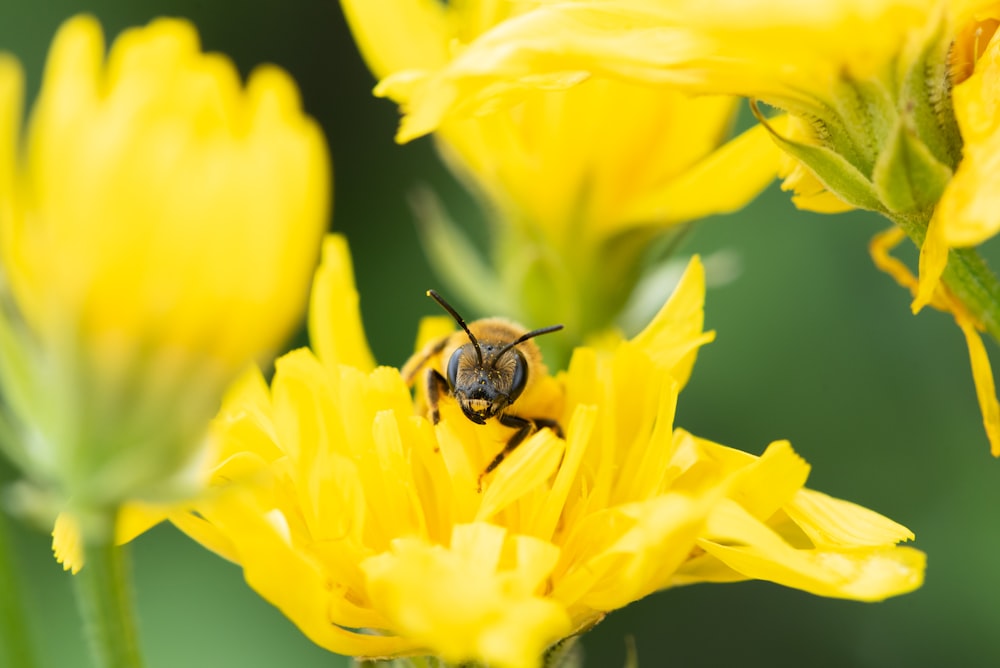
[969, 210]
[892, 104]
[869, 81]
[362, 522]
[578, 182]
[794, 54]
[159, 225]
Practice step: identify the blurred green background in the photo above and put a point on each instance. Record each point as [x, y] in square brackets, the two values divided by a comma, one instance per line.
[814, 345]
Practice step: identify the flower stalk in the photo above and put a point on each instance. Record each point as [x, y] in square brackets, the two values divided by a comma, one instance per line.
[15, 644]
[105, 599]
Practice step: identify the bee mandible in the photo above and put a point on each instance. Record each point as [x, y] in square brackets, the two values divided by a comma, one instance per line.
[489, 365]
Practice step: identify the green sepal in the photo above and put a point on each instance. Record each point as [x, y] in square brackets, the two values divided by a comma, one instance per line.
[454, 257]
[907, 176]
[567, 653]
[925, 95]
[405, 662]
[833, 170]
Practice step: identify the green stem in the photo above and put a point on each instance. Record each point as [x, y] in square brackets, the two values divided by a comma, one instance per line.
[104, 596]
[15, 645]
[967, 277]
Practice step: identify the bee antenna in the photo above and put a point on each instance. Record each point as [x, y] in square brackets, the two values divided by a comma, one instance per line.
[533, 333]
[454, 314]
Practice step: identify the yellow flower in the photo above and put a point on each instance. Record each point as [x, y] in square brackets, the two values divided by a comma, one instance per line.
[969, 211]
[868, 81]
[791, 53]
[363, 522]
[160, 223]
[892, 103]
[574, 179]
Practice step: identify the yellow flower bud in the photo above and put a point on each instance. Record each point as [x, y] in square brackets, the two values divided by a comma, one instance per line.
[160, 223]
[578, 183]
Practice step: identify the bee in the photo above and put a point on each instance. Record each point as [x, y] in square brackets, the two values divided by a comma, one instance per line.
[489, 365]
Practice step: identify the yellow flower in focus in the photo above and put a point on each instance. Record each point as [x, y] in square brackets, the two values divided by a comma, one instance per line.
[578, 182]
[160, 223]
[363, 523]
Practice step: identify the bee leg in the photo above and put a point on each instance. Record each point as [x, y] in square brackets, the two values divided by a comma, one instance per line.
[417, 362]
[543, 423]
[525, 427]
[436, 385]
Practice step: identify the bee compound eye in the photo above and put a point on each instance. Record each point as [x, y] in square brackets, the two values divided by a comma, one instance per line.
[520, 377]
[454, 363]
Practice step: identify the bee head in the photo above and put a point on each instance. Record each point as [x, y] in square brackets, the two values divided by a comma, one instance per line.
[487, 377]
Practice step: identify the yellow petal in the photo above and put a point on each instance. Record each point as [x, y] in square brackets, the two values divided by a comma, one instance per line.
[933, 260]
[705, 47]
[674, 335]
[67, 543]
[648, 542]
[752, 549]
[466, 604]
[746, 164]
[301, 588]
[11, 94]
[830, 522]
[335, 327]
[136, 519]
[67, 539]
[821, 202]
[969, 210]
[525, 469]
[399, 34]
[982, 376]
[532, 165]
[771, 481]
[578, 435]
[206, 534]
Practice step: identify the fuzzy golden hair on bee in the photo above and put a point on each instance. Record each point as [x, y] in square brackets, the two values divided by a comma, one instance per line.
[486, 367]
